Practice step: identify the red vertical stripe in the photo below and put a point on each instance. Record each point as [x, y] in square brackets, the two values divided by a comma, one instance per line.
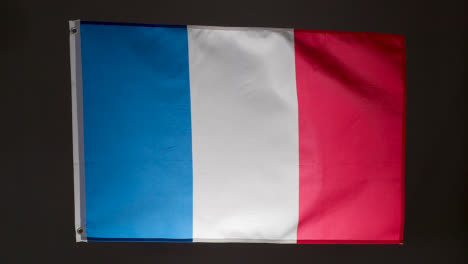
[351, 89]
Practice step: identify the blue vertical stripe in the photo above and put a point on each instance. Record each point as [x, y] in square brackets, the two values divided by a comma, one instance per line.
[137, 132]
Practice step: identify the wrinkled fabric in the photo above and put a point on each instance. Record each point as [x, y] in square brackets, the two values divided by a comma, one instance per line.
[219, 134]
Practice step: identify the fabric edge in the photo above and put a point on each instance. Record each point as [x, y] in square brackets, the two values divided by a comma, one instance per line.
[403, 149]
[237, 28]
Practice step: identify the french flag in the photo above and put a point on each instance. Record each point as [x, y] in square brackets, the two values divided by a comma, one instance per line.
[223, 134]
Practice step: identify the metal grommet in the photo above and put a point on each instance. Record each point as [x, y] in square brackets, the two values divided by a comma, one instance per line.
[80, 230]
[73, 30]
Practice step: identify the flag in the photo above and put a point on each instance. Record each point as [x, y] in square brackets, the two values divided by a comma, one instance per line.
[223, 134]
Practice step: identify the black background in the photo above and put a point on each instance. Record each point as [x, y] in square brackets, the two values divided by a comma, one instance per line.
[38, 141]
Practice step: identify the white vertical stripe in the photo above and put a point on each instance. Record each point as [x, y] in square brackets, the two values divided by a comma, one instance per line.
[244, 134]
[77, 127]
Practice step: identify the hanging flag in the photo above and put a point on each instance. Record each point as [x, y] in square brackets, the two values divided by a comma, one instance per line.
[220, 134]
